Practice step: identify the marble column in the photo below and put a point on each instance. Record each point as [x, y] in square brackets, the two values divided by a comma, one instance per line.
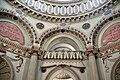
[32, 68]
[39, 75]
[100, 69]
[25, 72]
[93, 72]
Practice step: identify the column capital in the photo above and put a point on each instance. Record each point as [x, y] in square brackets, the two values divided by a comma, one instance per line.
[35, 47]
[91, 50]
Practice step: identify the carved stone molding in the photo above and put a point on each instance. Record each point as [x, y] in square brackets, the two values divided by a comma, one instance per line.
[58, 30]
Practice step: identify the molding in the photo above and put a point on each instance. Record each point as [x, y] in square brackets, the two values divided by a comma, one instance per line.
[58, 30]
[53, 18]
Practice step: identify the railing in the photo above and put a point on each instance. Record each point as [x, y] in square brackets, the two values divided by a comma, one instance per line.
[74, 55]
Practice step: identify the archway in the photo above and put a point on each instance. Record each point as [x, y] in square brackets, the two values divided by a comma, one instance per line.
[6, 72]
[115, 73]
[67, 39]
[62, 73]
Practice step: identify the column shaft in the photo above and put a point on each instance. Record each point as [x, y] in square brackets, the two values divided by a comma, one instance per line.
[93, 68]
[32, 68]
[25, 72]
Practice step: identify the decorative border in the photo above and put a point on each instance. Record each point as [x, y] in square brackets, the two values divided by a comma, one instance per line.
[54, 18]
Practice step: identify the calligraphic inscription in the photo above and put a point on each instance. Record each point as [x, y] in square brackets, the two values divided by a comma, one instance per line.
[111, 34]
[10, 31]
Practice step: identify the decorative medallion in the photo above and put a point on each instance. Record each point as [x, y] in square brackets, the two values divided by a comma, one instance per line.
[10, 31]
[18, 11]
[107, 12]
[86, 26]
[63, 24]
[40, 25]
[111, 34]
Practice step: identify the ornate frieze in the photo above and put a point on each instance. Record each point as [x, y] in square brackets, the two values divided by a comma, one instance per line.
[46, 10]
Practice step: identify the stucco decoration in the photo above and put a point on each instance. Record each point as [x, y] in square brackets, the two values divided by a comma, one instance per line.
[115, 73]
[11, 31]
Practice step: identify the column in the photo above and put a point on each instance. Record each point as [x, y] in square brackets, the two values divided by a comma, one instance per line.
[93, 72]
[100, 69]
[39, 75]
[32, 67]
[25, 72]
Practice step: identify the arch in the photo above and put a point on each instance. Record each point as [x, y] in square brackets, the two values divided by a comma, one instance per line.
[115, 73]
[56, 71]
[10, 15]
[6, 69]
[103, 25]
[58, 32]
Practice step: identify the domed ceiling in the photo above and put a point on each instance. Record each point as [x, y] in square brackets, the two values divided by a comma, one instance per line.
[62, 10]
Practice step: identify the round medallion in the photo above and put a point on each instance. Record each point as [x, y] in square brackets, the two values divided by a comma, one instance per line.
[40, 25]
[86, 26]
